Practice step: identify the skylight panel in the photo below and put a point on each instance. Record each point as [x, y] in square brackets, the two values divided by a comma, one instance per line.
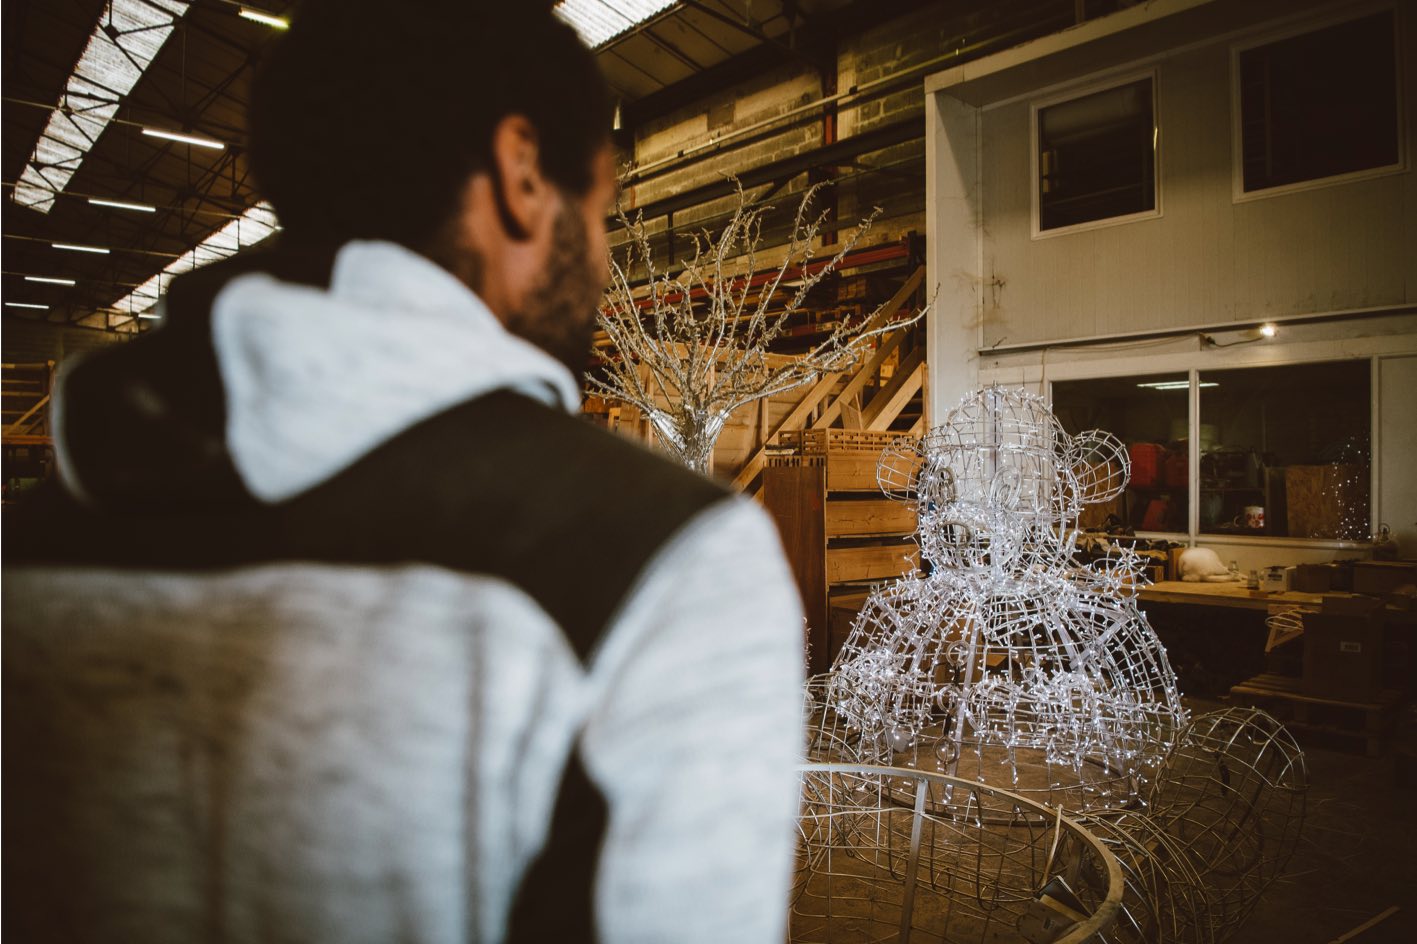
[246, 230]
[598, 21]
[126, 40]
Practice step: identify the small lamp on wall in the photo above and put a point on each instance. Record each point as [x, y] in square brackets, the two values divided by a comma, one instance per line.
[1249, 335]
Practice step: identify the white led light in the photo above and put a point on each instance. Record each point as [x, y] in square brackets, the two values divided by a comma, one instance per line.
[1268, 330]
[42, 278]
[184, 138]
[148, 316]
[275, 22]
[122, 205]
[73, 248]
[25, 305]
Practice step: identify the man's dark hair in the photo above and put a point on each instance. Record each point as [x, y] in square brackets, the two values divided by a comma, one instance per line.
[369, 117]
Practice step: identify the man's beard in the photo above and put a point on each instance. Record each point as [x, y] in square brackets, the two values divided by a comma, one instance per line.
[559, 315]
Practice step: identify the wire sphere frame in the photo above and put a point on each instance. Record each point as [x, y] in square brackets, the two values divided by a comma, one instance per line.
[913, 829]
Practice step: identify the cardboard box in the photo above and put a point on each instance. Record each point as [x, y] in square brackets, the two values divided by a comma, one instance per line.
[1349, 604]
[1383, 577]
[1313, 578]
[1343, 655]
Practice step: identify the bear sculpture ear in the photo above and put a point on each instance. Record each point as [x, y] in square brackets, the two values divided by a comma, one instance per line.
[1098, 463]
[900, 468]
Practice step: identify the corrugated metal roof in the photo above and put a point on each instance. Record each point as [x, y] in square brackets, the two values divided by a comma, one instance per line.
[598, 21]
[125, 42]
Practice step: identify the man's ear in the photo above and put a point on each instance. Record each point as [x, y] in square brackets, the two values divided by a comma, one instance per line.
[524, 198]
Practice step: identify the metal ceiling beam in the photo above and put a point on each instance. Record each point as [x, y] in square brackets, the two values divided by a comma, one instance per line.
[838, 153]
[791, 49]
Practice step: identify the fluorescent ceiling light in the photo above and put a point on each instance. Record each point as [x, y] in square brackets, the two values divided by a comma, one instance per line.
[149, 316]
[277, 22]
[26, 305]
[45, 278]
[73, 248]
[248, 229]
[124, 43]
[597, 21]
[1176, 385]
[122, 205]
[184, 138]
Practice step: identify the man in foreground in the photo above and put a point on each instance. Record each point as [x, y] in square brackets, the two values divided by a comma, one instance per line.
[343, 626]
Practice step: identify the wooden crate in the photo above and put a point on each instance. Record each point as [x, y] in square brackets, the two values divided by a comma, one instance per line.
[871, 562]
[874, 517]
[848, 455]
[837, 540]
[1370, 720]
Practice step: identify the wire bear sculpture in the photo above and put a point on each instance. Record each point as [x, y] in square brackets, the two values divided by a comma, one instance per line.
[1007, 655]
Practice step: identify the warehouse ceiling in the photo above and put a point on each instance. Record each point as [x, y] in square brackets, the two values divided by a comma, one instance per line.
[95, 90]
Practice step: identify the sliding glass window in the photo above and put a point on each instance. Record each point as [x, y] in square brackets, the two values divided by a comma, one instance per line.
[1150, 414]
[1285, 451]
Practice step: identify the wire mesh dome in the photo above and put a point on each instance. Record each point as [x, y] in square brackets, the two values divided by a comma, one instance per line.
[1232, 794]
[1165, 898]
[1008, 662]
[910, 856]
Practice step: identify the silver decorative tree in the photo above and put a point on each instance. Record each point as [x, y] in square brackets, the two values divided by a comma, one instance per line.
[689, 349]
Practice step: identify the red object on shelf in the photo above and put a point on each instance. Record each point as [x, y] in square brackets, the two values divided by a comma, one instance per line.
[1147, 459]
[1156, 513]
[1177, 469]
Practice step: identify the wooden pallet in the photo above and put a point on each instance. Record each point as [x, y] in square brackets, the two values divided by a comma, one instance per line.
[1370, 721]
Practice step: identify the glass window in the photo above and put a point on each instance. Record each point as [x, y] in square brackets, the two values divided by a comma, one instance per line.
[1284, 451]
[1319, 104]
[1097, 156]
[1151, 416]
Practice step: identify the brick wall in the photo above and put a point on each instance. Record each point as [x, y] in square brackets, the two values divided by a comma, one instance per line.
[939, 35]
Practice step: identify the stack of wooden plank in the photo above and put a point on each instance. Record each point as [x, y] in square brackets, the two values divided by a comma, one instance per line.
[841, 534]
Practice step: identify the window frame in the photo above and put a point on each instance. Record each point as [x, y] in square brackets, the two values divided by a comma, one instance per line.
[1238, 193]
[1083, 90]
[1193, 534]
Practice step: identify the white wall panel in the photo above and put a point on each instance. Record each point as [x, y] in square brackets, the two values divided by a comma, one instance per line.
[1207, 259]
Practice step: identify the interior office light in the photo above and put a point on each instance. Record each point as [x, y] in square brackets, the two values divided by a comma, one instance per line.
[184, 138]
[73, 248]
[45, 278]
[122, 205]
[26, 305]
[1176, 384]
[275, 22]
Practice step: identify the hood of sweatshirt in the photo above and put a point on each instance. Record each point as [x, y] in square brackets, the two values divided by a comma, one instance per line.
[276, 370]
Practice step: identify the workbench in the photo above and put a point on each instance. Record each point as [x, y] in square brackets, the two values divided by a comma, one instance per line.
[1233, 594]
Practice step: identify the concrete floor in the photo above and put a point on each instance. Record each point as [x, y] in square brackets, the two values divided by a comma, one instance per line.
[1357, 855]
